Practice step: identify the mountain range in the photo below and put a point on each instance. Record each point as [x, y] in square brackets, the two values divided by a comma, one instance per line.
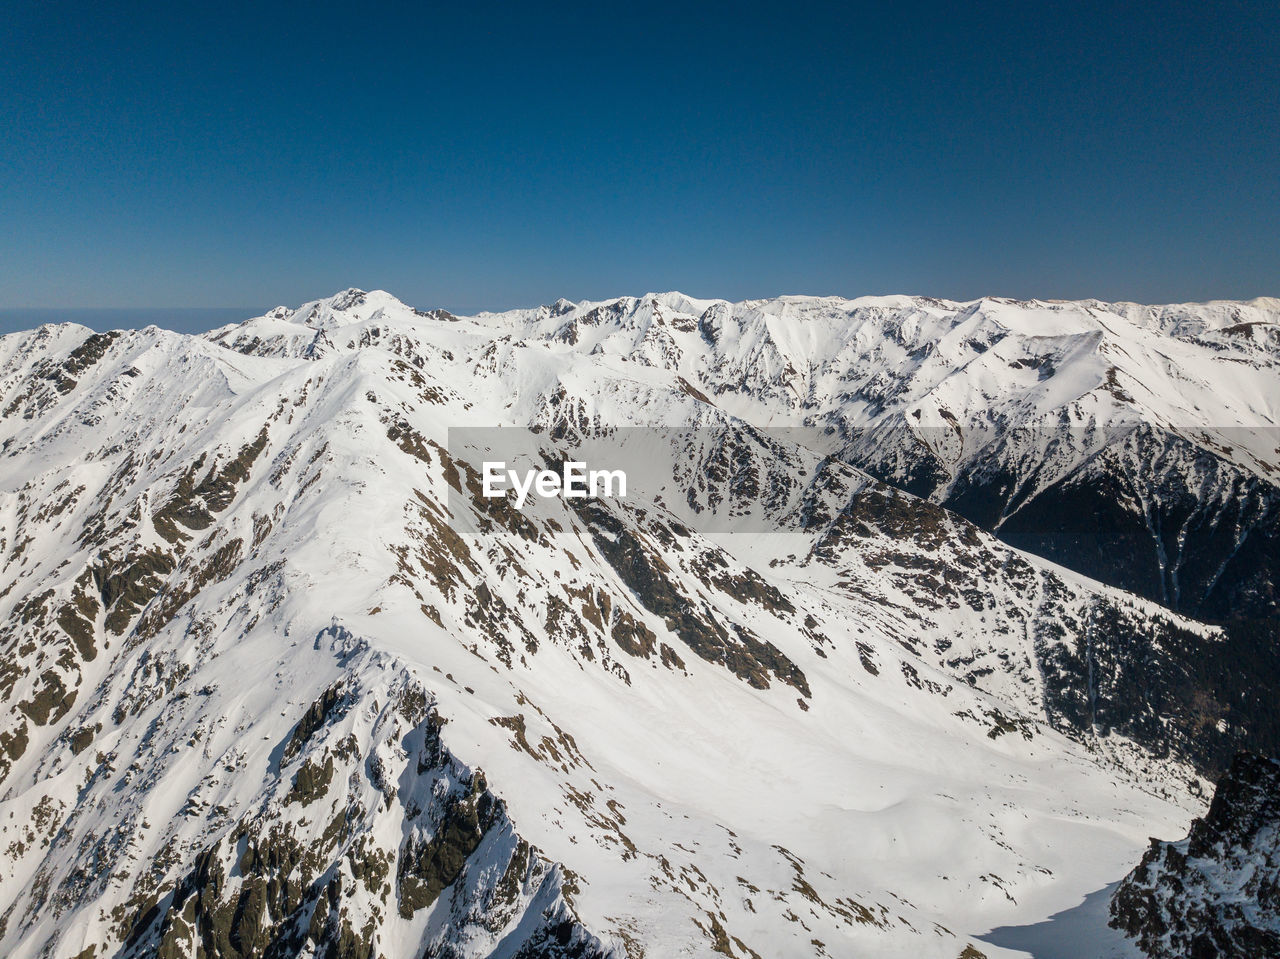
[918, 620]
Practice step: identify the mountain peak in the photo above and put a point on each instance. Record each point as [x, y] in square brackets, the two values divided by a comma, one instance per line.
[347, 299]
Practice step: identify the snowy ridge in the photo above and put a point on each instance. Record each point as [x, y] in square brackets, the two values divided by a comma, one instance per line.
[1018, 414]
[601, 732]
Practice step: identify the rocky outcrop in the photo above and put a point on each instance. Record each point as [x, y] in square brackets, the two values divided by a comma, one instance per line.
[1215, 894]
[309, 872]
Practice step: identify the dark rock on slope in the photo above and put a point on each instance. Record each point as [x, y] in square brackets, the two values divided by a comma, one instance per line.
[1217, 892]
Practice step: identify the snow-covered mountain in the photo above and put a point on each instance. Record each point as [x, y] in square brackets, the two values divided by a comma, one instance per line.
[280, 681]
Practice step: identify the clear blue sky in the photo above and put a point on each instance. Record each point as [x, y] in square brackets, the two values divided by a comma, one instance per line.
[486, 156]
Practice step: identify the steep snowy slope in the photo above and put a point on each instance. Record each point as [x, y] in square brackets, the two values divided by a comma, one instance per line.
[279, 681]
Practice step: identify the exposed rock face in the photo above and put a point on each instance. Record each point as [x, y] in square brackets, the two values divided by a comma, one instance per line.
[1215, 894]
[308, 873]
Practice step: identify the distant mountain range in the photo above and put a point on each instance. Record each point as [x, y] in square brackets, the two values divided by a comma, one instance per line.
[182, 319]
